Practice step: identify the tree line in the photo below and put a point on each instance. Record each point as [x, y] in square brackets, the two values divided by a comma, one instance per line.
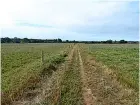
[26, 40]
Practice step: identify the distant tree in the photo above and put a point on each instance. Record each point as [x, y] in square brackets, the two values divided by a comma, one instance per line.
[103, 42]
[109, 41]
[115, 41]
[32, 40]
[16, 40]
[56, 40]
[6, 40]
[122, 41]
[67, 41]
[26, 40]
[59, 40]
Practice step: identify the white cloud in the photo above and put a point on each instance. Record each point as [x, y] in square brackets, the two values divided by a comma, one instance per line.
[57, 13]
[62, 15]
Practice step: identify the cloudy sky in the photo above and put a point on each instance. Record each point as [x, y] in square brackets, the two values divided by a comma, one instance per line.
[70, 19]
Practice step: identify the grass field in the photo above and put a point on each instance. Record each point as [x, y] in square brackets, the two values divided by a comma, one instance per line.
[122, 58]
[69, 74]
[21, 64]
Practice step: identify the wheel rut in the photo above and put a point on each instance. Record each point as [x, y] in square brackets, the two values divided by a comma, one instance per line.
[75, 90]
[87, 93]
[71, 92]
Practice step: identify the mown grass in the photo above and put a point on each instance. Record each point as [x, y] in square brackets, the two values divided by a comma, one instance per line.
[123, 59]
[22, 66]
[71, 93]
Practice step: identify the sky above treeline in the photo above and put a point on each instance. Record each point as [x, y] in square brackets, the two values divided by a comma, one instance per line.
[70, 19]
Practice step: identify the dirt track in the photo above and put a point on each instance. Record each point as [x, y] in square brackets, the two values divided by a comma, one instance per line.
[98, 85]
[87, 93]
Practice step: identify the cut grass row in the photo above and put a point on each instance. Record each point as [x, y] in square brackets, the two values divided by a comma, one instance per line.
[71, 90]
[16, 79]
[123, 59]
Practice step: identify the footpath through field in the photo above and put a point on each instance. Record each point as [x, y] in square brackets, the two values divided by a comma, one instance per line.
[75, 90]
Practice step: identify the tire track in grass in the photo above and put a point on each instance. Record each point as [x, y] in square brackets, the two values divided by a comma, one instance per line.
[87, 93]
[71, 93]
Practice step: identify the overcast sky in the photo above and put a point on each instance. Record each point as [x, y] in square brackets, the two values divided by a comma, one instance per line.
[70, 19]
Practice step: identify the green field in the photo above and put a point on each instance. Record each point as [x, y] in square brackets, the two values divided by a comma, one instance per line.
[22, 63]
[123, 59]
[24, 67]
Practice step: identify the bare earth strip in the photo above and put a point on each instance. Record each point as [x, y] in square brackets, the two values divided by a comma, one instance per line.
[87, 94]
